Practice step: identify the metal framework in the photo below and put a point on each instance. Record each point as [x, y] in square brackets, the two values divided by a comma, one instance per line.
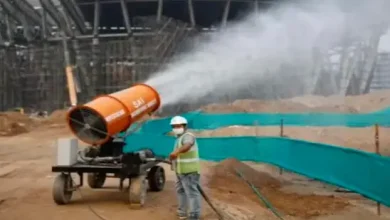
[381, 79]
[349, 68]
[53, 38]
[44, 44]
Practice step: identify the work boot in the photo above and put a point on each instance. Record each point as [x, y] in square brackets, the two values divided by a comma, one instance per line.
[181, 216]
[193, 217]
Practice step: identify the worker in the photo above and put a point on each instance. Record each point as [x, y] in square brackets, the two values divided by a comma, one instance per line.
[185, 158]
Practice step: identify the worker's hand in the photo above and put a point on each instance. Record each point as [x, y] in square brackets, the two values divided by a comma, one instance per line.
[173, 155]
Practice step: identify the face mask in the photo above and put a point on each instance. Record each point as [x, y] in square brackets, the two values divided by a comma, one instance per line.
[178, 131]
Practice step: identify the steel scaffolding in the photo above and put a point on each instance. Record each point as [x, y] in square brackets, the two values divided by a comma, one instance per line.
[41, 46]
[50, 47]
[381, 79]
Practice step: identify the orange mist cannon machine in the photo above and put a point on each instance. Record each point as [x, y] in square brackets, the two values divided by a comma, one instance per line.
[98, 124]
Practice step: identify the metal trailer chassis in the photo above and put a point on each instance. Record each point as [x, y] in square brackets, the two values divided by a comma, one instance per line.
[142, 175]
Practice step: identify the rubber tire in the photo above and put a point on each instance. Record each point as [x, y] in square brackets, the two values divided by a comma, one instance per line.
[62, 183]
[96, 180]
[156, 179]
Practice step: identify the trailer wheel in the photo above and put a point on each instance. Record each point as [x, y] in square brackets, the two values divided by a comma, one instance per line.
[62, 189]
[156, 178]
[137, 191]
[96, 180]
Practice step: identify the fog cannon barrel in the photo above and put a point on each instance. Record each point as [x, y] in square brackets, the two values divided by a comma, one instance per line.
[96, 121]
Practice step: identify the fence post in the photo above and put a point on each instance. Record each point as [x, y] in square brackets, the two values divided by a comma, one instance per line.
[256, 124]
[377, 151]
[281, 135]
[281, 128]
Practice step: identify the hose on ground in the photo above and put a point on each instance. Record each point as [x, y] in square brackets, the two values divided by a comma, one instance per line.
[90, 208]
[219, 213]
[259, 195]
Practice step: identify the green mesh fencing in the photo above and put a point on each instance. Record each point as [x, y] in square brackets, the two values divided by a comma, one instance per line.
[200, 120]
[362, 172]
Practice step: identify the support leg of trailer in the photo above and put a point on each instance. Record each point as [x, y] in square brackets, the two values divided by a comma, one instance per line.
[137, 191]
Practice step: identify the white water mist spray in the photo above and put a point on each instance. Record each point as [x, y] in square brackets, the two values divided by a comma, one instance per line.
[255, 48]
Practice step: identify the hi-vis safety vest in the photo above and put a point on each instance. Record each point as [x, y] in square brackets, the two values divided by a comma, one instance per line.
[187, 162]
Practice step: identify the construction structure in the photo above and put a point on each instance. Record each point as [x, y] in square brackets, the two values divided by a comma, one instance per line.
[381, 79]
[108, 45]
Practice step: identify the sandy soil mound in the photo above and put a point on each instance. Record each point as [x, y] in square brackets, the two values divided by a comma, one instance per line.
[57, 117]
[223, 108]
[373, 101]
[14, 123]
[249, 105]
[280, 106]
[338, 108]
[226, 169]
[224, 178]
[309, 103]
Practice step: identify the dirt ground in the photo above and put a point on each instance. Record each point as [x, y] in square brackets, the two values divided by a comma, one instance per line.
[351, 104]
[26, 182]
[26, 156]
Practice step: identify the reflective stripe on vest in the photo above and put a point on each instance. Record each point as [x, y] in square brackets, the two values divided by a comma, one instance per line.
[187, 162]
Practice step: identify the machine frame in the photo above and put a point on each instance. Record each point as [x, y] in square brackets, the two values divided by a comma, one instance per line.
[142, 171]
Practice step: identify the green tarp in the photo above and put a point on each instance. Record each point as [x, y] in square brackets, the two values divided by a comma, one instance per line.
[365, 173]
[200, 120]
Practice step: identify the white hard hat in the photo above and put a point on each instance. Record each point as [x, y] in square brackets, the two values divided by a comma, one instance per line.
[178, 120]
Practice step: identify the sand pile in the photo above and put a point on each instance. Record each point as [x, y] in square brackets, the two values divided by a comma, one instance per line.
[223, 108]
[226, 169]
[279, 106]
[57, 117]
[310, 103]
[373, 101]
[14, 123]
[249, 105]
[224, 178]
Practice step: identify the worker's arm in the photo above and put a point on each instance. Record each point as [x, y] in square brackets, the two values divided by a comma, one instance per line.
[187, 142]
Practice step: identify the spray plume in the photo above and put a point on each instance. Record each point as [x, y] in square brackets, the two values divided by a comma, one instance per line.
[254, 49]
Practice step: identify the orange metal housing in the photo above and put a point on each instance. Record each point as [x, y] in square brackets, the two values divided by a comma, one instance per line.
[107, 115]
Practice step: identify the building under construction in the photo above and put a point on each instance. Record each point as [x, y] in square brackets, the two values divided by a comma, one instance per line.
[107, 45]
